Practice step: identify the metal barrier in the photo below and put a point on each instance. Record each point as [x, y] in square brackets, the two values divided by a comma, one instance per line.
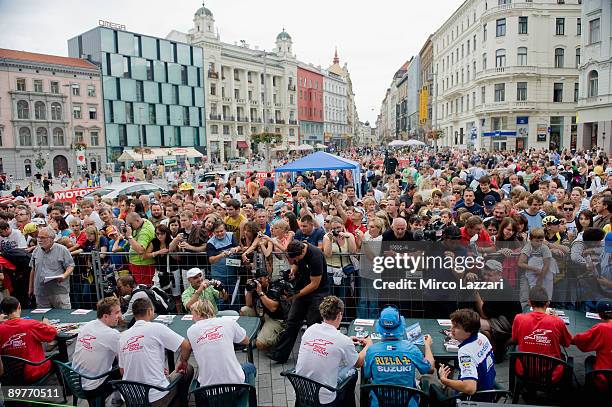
[96, 273]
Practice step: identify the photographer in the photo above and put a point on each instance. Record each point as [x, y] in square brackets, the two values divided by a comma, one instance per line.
[309, 274]
[263, 299]
[337, 244]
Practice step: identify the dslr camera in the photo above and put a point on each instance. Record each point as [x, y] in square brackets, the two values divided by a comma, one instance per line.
[431, 233]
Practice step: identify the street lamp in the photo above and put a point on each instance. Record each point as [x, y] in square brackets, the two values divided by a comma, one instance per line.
[70, 127]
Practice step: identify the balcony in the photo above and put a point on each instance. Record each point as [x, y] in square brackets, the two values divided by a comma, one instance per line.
[254, 102]
[240, 101]
[271, 121]
[506, 71]
[293, 122]
[278, 105]
[280, 121]
[229, 118]
[227, 100]
[214, 116]
[213, 75]
[291, 87]
[503, 9]
[522, 105]
[243, 119]
[255, 120]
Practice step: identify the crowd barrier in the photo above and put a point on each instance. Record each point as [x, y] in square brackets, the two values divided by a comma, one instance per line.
[96, 274]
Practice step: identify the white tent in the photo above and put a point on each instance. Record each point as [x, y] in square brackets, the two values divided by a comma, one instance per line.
[413, 142]
[302, 147]
[398, 143]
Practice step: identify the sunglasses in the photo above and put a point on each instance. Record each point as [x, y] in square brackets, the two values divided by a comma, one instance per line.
[568, 209]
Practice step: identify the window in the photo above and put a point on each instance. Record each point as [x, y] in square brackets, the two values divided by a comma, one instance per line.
[521, 91]
[54, 87]
[474, 43]
[139, 91]
[578, 57]
[38, 85]
[1, 134]
[58, 137]
[40, 111]
[127, 68]
[149, 70]
[76, 89]
[25, 137]
[500, 27]
[558, 92]
[93, 113]
[76, 111]
[23, 110]
[578, 26]
[129, 113]
[484, 61]
[56, 111]
[213, 89]
[500, 92]
[225, 129]
[560, 26]
[240, 130]
[594, 31]
[237, 94]
[186, 115]
[42, 137]
[183, 75]
[95, 139]
[576, 92]
[483, 94]
[593, 84]
[91, 91]
[122, 135]
[78, 137]
[559, 54]
[468, 47]
[522, 27]
[484, 33]
[500, 58]
[499, 123]
[152, 114]
[21, 84]
[521, 56]
[214, 129]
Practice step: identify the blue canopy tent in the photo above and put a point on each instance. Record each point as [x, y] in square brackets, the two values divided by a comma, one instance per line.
[322, 161]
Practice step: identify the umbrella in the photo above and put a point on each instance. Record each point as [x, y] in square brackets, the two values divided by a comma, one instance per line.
[321, 146]
[303, 147]
[398, 143]
[414, 142]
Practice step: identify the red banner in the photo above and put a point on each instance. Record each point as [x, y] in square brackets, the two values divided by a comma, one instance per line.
[67, 195]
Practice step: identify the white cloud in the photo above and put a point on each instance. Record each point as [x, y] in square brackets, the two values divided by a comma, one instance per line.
[374, 38]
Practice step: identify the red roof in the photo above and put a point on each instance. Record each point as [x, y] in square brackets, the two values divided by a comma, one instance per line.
[46, 59]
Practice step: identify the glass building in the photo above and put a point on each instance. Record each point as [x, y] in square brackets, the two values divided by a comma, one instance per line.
[152, 89]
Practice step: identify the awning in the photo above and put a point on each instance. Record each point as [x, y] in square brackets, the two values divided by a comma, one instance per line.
[188, 152]
[131, 155]
[242, 144]
[498, 133]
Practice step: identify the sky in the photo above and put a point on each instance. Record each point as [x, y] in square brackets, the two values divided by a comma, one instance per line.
[374, 38]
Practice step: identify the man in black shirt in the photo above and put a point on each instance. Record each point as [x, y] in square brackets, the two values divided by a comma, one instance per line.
[309, 274]
[391, 164]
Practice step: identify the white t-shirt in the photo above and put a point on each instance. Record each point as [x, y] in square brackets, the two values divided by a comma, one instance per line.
[212, 341]
[15, 240]
[142, 354]
[96, 348]
[324, 351]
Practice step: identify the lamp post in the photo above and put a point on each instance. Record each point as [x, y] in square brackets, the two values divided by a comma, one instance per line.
[140, 141]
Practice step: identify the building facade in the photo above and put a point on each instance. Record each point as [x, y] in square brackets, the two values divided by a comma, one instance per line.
[595, 100]
[153, 89]
[335, 99]
[426, 79]
[310, 104]
[506, 75]
[248, 90]
[51, 116]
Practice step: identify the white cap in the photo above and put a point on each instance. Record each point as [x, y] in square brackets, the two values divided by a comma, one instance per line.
[192, 272]
[20, 198]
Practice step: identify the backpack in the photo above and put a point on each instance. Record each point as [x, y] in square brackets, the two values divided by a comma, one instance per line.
[162, 303]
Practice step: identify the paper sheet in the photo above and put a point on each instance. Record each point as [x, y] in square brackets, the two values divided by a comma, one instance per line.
[592, 315]
[81, 311]
[187, 317]
[444, 322]
[40, 311]
[51, 278]
[415, 334]
[364, 322]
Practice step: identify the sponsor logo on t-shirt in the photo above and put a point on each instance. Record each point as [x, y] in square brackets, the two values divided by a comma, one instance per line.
[538, 337]
[393, 364]
[211, 334]
[86, 341]
[15, 341]
[319, 346]
[133, 344]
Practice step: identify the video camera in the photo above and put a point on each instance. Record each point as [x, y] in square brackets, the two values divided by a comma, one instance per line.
[432, 233]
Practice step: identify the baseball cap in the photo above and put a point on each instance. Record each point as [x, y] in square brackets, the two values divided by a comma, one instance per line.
[494, 265]
[20, 199]
[29, 228]
[489, 201]
[192, 272]
[39, 222]
[278, 206]
[391, 325]
[550, 220]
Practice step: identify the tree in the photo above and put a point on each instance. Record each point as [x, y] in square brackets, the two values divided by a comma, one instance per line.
[40, 162]
[267, 138]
